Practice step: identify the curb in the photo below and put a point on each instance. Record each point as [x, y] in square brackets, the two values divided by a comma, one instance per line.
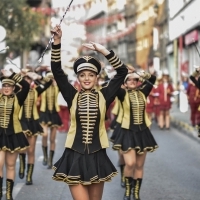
[186, 128]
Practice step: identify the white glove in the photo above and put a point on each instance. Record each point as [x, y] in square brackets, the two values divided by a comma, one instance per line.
[6, 73]
[141, 73]
[32, 75]
[197, 68]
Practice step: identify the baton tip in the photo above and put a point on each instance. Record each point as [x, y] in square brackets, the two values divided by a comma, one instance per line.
[40, 60]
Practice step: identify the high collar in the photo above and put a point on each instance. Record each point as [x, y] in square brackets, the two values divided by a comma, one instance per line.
[88, 91]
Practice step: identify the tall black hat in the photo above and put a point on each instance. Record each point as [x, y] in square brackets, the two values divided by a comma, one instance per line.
[87, 63]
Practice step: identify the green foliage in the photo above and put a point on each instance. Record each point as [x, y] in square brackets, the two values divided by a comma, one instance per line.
[21, 24]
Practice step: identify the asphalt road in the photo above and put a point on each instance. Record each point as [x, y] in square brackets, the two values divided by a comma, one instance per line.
[171, 172]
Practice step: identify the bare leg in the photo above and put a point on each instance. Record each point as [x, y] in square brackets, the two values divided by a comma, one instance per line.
[161, 119]
[31, 149]
[96, 191]
[53, 138]
[79, 192]
[139, 167]
[10, 164]
[2, 161]
[167, 119]
[130, 161]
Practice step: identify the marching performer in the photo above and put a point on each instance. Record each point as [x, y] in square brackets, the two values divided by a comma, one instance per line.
[165, 90]
[84, 165]
[135, 138]
[12, 138]
[115, 133]
[29, 119]
[49, 118]
[195, 98]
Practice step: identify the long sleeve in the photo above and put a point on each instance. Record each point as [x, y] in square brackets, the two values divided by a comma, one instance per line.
[115, 83]
[197, 83]
[47, 83]
[147, 87]
[22, 94]
[67, 90]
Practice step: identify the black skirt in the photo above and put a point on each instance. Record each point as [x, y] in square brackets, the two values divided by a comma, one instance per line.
[12, 142]
[31, 127]
[74, 168]
[50, 119]
[116, 132]
[140, 141]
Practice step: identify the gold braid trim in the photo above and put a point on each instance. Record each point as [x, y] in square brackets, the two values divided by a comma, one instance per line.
[137, 148]
[75, 180]
[17, 78]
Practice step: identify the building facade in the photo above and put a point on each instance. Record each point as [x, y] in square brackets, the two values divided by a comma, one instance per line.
[184, 20]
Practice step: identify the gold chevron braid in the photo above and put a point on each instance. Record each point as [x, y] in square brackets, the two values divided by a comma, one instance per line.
[88, 114]
[6, 105]
[115, 62]
[137, 107]
[28, 104]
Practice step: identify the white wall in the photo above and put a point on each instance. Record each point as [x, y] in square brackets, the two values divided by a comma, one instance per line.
[187, 19]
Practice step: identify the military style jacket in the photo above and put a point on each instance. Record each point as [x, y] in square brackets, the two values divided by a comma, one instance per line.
[10, 107]
[29, 108]
[49, 100]
[134, 106]
[87, 108]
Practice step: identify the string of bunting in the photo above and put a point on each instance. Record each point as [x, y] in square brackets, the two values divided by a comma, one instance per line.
[50, 11]
[103, 40]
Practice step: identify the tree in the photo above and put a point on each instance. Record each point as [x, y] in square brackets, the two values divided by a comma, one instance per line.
[22, 24]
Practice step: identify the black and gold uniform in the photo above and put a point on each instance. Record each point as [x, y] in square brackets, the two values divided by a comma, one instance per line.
[12, 137]
[49, 107]
[29, 116]
[135, 133]
[84, 160]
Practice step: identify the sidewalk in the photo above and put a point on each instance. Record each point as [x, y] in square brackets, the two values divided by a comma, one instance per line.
[181, 121]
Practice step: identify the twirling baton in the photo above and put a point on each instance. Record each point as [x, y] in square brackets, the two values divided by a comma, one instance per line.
[40, 60]
[155, 86]
[4, 49]
[11, 62]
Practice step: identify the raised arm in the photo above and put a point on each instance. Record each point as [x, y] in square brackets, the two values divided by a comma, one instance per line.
[115, 83]
[194, 80]
[110, 91]
[22, 94]
[67, 90]
[147, 85]
[45, 83]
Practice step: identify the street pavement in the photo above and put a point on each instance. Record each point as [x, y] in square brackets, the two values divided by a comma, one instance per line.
[171, 172]
[181, 121]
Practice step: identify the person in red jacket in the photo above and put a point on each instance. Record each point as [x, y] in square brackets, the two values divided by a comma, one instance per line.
[165, 90]
[193, 94]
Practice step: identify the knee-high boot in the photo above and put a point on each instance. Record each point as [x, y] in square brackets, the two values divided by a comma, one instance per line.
[136, 188]
[29, 174]
[45, 156]
[22, 164]
[1, 187]
[122, 175]
[50, 160]
[128, 186]
[9, 189]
